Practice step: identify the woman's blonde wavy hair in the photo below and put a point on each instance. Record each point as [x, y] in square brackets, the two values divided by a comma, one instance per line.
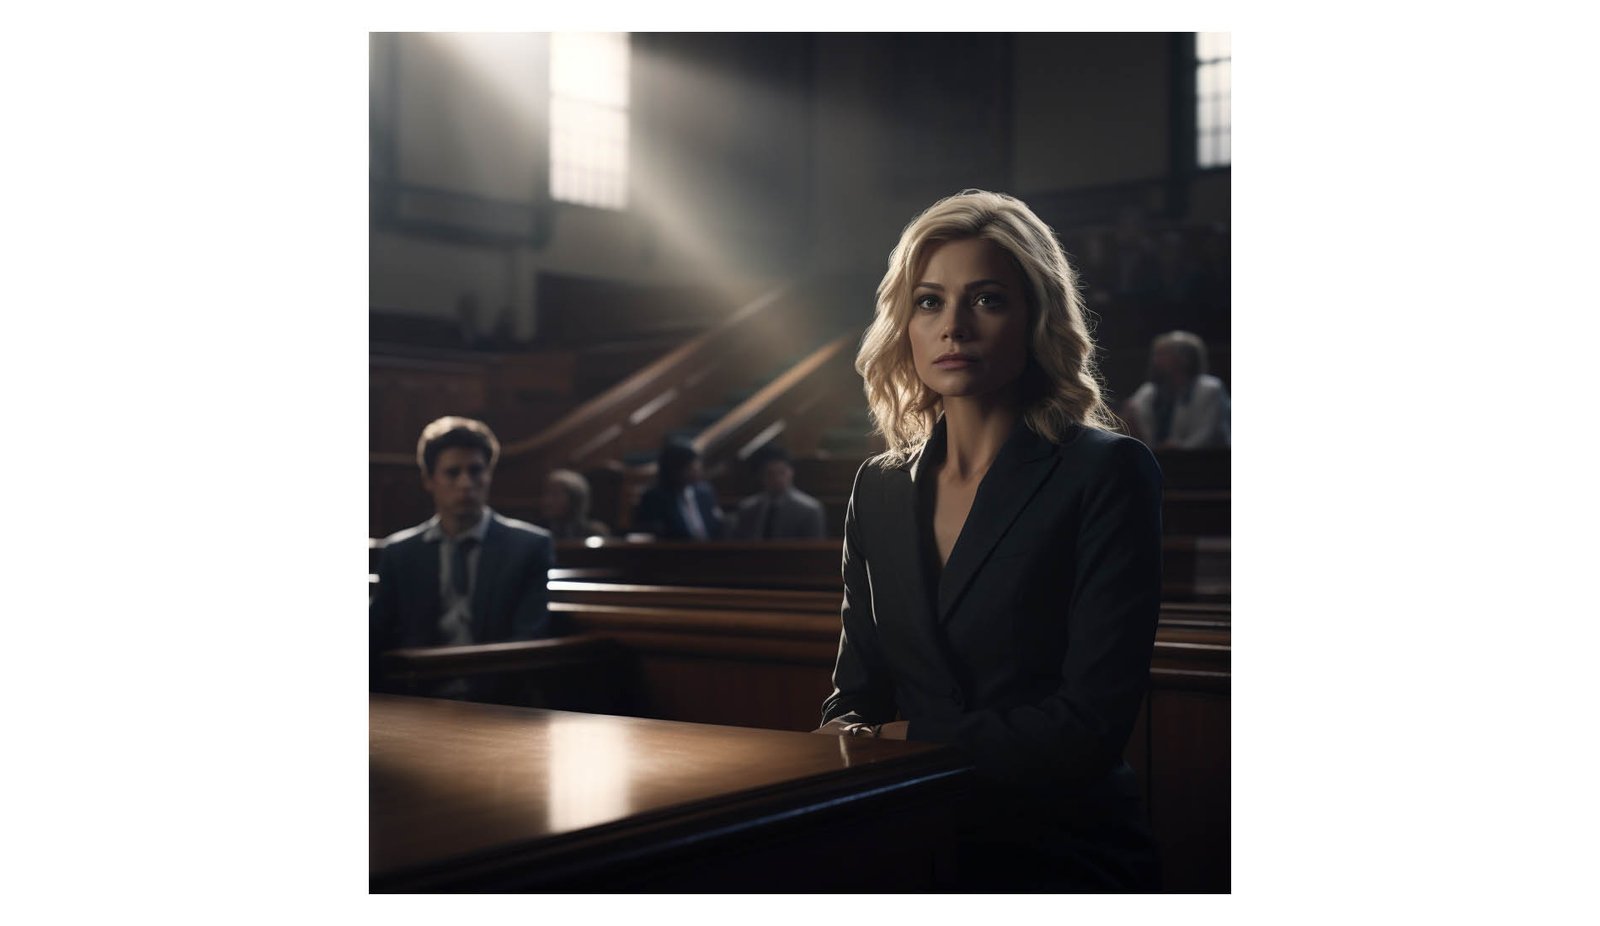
[1060, 385]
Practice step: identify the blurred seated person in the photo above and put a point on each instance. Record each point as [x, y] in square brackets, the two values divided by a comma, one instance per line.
[681, 505]
[564, 507]
[465, 575]
[779, 511]
[1182, 406]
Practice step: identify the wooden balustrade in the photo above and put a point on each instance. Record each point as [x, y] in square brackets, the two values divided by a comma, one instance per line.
[793, 409]
[638, 412]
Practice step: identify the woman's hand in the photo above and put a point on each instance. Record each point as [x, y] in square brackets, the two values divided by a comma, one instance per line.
[835, 727]
[887, 731]
[894, 731]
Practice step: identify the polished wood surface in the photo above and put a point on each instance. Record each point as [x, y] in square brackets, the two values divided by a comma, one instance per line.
[485, 796]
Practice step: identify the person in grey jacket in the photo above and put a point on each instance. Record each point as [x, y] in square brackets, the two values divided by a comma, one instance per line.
[779, 511]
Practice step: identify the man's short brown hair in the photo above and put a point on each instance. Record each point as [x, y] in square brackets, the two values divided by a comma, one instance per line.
[455, 431]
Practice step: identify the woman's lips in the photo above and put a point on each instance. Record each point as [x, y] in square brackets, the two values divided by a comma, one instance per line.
[955, 362]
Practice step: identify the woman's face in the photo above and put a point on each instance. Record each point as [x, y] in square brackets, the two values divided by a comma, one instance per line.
[969, 319]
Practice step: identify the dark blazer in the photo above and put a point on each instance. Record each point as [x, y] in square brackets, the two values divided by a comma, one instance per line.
[509, 598]
[657, 513]
[1031, 650]
[799, 516]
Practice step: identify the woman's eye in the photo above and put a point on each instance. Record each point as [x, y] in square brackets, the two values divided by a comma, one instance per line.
[989, 299]
[927, 303]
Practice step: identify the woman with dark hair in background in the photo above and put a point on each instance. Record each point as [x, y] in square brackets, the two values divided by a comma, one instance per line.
[1002, 560]
[681, 505]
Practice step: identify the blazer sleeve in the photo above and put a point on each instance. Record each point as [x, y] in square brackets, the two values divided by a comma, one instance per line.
[1079, 731]
[532, 619]
[383, 616]
[863, 690]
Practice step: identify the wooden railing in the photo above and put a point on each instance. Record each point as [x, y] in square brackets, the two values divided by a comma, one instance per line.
[795, 407]
[637, 413]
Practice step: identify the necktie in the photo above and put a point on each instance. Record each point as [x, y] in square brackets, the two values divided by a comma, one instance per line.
[772, 517]
[458, 566]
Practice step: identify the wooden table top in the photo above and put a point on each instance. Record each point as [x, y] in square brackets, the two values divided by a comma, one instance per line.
[456, 783]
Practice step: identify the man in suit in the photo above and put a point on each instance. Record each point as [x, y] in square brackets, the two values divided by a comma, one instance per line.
[779, 511]
[466, 575]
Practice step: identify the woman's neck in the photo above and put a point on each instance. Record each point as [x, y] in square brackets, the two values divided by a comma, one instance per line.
[975, 430]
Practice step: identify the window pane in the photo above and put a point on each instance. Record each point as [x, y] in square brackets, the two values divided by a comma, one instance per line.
[590, 66]
[587, 145]
[589, 118]
[1213, 98]
[1210, 46]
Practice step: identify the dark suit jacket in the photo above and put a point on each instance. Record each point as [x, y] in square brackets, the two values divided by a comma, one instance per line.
[657, 513]
[1032, 651]
[799, 516]
[509, 595]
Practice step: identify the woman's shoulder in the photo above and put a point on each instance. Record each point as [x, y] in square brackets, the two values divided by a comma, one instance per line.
[884, 466]
[1097, 449]
[1087, 439]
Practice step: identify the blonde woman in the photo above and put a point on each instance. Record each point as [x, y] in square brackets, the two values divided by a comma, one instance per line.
[1002, 560]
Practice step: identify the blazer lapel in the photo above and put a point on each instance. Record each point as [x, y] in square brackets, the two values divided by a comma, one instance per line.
[900, 498]
[1023, 464]
[422, 599]
[905, 561]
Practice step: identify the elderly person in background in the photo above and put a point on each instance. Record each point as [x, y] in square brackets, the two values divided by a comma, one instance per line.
[1181, 406]
[564, 507]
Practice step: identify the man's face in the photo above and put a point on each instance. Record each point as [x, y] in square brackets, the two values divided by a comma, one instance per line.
[459, 483]
[777, 476]
[1166, 367]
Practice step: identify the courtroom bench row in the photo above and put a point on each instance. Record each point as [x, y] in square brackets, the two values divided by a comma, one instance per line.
[1194, 569]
